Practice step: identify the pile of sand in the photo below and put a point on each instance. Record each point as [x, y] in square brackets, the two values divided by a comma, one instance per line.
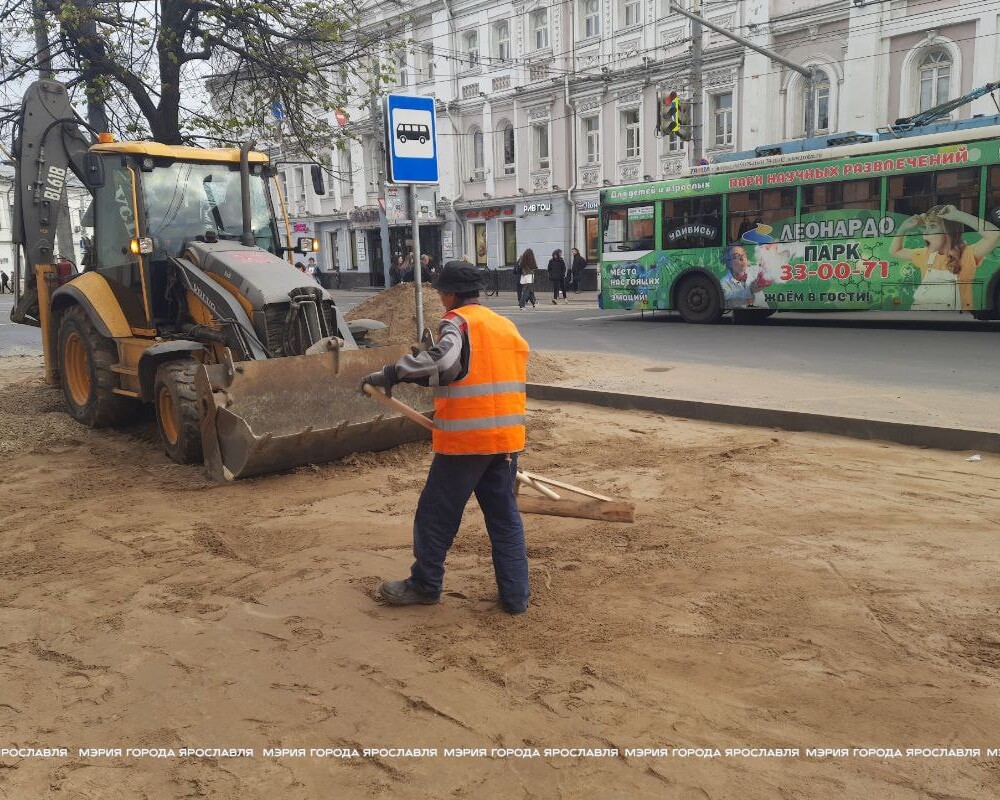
[397, 308]
[33, 416]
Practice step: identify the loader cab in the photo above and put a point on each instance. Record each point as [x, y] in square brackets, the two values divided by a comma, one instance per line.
[152, 201]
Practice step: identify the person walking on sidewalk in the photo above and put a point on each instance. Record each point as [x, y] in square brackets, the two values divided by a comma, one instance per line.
[478, 370]
[5, 285]
[577, 267]
[525, 272]
[557, 274]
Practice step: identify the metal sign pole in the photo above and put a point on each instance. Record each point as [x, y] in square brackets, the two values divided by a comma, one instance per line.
[412, 157]
[417, 266]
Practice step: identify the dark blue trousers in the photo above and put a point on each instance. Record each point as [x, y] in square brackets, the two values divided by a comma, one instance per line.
[451, 481]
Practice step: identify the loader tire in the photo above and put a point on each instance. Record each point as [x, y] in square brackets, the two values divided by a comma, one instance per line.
[177, 415]
[85, 360]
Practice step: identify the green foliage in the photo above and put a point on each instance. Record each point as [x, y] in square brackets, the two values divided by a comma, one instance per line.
[181, 69]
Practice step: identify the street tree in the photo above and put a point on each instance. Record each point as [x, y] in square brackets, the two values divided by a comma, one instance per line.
[177, 70]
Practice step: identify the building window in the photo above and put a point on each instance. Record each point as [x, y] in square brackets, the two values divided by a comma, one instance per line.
[674, 144]
[428, 61]
[540, 28]
[510, 243]
[540, 139]
[631, 13]
[347, 172]
[722, 119]
[471, 44]
[590, 235]
[592, 139]
[591, 16]
[501, 37]
[478, 156]
[630, 132]
[507, 140]
[479, 238]
[821, 103]
[935, 77]
[300, 184]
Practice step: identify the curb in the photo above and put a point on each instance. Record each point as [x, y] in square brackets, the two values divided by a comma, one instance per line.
[898, 432]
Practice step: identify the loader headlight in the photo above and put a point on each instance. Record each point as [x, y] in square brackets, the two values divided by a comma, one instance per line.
[143, 245]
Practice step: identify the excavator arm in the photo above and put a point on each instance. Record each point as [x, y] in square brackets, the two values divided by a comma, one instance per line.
[50, 141]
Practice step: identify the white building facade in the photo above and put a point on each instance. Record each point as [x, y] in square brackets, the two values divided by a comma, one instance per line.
[542, 104]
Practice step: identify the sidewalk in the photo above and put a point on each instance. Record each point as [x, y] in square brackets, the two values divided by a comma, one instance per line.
[772, 399]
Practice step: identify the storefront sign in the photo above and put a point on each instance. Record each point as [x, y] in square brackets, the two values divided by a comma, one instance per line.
[541, 207]
[447, 244]
[586, 205]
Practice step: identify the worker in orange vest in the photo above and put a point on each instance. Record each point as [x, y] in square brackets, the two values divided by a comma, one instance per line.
[477, 370]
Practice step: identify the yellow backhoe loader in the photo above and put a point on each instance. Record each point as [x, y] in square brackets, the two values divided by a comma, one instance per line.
[187, 300]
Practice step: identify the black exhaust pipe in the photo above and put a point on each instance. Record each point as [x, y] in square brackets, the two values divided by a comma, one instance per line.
[247, 237]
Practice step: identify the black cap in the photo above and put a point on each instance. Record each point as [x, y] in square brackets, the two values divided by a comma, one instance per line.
[459, 277]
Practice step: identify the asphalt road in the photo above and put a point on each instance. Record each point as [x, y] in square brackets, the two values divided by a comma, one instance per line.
[933, 351]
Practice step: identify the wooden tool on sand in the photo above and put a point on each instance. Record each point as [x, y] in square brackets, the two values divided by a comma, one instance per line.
[582, 503]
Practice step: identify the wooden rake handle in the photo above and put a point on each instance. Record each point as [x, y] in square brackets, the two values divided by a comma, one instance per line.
[420, 419]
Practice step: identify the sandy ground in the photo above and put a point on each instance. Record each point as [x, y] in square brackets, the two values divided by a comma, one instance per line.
[776, 591]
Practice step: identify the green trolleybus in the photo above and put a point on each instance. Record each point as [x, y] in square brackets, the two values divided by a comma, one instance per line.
[911, 224]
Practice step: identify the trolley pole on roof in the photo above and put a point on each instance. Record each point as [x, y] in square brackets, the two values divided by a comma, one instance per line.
[806, 72]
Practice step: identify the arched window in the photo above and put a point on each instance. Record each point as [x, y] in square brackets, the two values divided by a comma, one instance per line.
[934, 74]
[478, 155]
[507, 145]
[821, 102]
[471, 44]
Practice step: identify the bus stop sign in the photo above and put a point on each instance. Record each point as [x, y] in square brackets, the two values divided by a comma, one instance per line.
[410, 139]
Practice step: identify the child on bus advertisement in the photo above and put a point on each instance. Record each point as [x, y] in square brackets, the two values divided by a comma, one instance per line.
[946, 263]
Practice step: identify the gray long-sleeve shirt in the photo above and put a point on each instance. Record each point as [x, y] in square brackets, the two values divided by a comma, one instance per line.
[446, 362]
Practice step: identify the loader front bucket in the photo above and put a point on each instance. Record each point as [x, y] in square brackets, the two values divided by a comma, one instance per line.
[275, 414]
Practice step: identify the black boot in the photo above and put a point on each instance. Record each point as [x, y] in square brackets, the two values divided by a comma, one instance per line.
[402, 593]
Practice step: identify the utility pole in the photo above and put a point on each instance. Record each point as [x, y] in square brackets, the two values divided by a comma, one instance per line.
[807, 72]
[697, 131]
[379, 153]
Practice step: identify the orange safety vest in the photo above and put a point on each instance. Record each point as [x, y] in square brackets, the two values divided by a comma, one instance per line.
[483, 413]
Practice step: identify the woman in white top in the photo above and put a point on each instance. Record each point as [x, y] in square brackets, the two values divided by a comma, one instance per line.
[947, 264]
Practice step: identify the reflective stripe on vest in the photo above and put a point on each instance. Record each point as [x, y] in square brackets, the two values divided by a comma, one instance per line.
[483, 413]
[458, 390]
[479, 423]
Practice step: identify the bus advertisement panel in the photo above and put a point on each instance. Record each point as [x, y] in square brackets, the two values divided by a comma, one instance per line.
[910, 230]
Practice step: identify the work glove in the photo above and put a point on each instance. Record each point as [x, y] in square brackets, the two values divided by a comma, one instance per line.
[384, 379]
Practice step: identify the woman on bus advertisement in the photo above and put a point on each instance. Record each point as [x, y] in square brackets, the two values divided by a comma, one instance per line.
[946, 263]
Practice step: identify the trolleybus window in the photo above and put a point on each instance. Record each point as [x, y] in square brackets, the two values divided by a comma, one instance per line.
[921, 191]
[692, 222]
[628, 228]
[749, 209]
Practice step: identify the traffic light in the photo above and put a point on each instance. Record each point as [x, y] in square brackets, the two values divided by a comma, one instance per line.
[669, 107]
[683, 129]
